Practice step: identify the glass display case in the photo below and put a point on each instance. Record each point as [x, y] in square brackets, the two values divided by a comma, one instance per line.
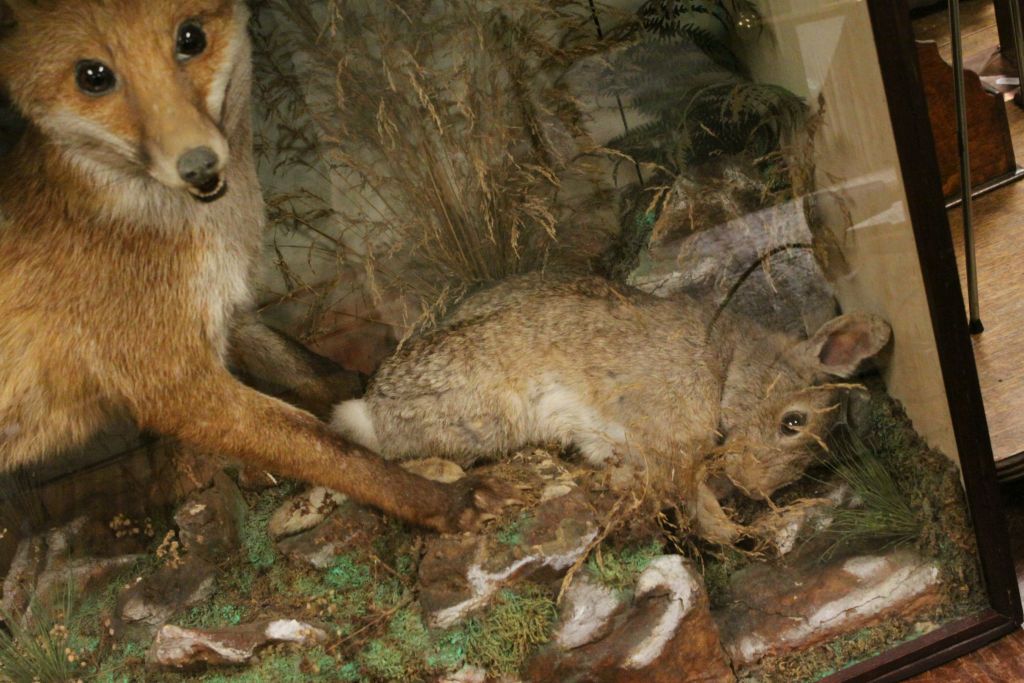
[654, 302]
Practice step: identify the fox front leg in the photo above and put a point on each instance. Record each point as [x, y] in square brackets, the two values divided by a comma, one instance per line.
[215, 412]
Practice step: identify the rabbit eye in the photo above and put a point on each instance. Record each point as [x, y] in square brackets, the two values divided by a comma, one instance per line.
[792, 423]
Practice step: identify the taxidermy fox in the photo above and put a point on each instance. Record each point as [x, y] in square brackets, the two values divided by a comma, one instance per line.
[130, 221]
[617, 373]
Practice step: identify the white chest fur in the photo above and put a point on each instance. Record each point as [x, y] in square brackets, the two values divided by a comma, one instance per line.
[230, 234]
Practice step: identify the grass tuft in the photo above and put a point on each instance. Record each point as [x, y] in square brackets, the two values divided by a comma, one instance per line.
[37, 649]
[882, 513]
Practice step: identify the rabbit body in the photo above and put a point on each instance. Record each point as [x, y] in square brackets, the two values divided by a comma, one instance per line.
[617, 373]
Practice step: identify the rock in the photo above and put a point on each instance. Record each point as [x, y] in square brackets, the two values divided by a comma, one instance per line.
[210, 522]
[190, 470]
[459, 575]
[350, 526]
[303, 511]
[761, 259]
[183, 649]
[555, 490]
[777, 610]
[20, 582]
[45, 567]
[783, 527]
[586, 613]
[663, 633]
[467, 674]
[79, 576]
[435, 469]
[153, 600]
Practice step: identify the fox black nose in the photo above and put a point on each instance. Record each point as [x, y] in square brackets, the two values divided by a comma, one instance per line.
[198, 167]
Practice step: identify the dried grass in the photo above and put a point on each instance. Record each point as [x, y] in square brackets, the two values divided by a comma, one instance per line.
[436, 139]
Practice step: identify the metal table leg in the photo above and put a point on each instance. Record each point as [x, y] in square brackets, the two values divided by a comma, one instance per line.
[974, 319]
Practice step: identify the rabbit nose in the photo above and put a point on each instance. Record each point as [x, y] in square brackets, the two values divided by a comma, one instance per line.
[198, 167]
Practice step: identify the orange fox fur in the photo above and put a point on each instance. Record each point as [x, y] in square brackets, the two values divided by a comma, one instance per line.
[118, 289]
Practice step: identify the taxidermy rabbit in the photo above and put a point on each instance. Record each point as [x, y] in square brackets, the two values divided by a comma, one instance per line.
[619, 374]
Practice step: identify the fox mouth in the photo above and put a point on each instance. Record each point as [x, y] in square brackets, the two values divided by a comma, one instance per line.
[211, 191]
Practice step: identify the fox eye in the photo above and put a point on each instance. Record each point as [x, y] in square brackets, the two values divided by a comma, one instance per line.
[94, 78]
[191, 40]
[792, 422]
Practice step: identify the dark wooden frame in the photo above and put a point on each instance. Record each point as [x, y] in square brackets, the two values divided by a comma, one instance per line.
[894, 41]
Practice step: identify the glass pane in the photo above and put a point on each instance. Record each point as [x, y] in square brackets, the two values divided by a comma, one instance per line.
[635, 281]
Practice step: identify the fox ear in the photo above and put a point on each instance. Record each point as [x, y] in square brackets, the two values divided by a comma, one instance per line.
[839, 347]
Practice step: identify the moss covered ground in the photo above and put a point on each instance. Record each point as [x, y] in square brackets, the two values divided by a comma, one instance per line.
[367, 598]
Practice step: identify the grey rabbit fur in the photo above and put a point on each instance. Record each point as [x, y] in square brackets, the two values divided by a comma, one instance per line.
[619, 374]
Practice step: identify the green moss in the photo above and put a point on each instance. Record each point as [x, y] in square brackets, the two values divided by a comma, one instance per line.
[256, 542]
[350, 672]
[512, 533]
[518, 621]
[240, 578]
[717, 572]
[619, 569]
[347, 574]
[400, 653]
[449, 650]
[406, 565]
[500, 640]
[122, 665]
[382, 661]
[407, 629]
[388, 592]
[214, 614]
[281, 667]
[821, 661]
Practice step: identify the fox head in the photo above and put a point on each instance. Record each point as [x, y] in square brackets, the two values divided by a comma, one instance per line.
[131, 88]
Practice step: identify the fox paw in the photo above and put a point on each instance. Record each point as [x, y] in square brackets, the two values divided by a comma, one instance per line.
[477, 500]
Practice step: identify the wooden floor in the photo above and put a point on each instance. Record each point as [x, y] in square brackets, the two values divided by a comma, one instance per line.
[999, 231]
[1001, 662]
[977, 28]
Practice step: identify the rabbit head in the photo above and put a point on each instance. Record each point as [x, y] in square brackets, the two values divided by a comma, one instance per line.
[781, 400]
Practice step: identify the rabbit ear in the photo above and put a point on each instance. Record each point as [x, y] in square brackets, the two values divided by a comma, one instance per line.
[839, 347]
